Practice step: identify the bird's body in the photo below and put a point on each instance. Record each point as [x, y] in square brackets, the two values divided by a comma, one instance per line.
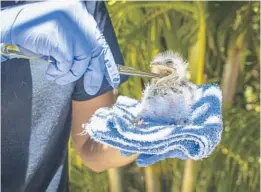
[168, 99]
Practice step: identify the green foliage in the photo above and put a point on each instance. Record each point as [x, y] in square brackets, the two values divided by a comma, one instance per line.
[235, 164]
[83, 179]
[146, 28]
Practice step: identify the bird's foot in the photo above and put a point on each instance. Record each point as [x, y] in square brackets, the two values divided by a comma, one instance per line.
[138, 122]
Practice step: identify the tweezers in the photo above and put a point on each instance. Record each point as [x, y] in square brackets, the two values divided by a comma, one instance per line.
[14, 51]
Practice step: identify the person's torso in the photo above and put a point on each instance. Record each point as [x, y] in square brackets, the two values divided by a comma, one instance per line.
[36, 115]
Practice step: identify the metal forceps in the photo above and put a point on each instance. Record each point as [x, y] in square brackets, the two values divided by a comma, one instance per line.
[14, 51]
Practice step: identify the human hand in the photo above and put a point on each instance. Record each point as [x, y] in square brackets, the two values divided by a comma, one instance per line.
[68, 33]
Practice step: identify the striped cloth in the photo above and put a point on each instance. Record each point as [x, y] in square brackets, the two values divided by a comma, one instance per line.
[157, 141]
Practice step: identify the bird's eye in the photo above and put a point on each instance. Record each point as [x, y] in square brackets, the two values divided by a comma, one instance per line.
[169, 63]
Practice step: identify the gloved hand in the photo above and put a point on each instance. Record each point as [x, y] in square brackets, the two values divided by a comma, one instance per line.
[68, 33]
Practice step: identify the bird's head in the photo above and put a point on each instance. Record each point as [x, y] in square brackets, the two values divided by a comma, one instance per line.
[169, 65]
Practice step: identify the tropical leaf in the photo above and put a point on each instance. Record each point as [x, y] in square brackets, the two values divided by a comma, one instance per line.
[146, 28]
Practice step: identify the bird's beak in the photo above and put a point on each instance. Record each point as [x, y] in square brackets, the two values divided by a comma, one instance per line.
[162, 69]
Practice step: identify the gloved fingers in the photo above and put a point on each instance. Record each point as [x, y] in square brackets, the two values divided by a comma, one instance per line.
[112, 73]
[93, 42]
[63, 55]
[94, 75]
[79, 67]
[54, 71]
[48, 47]
[49, 39]
[100, 46]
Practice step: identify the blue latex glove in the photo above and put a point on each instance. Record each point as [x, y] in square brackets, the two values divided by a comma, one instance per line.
[68, 33]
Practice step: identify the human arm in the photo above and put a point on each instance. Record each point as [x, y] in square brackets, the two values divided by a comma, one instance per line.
[96, 156]
[97, 159]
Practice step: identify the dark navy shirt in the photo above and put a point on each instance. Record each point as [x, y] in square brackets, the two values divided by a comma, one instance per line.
[36, 118]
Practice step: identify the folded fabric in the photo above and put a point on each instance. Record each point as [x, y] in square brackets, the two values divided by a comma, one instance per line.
[155, 141]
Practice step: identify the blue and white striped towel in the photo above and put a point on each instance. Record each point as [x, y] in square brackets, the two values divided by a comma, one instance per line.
[157, 141]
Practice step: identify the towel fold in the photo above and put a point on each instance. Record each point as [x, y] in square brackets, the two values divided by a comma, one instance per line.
[156, 141]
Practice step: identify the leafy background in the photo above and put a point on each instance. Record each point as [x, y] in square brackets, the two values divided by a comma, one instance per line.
[221, 41]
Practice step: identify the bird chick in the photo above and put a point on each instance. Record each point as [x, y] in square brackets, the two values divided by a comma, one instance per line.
[167, 99]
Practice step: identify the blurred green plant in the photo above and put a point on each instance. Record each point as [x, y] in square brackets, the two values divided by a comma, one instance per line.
[230, 35]
[82, 179]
